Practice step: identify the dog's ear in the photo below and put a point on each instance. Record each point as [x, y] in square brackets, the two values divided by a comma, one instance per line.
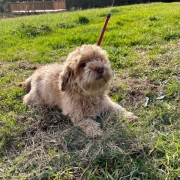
[65, 78]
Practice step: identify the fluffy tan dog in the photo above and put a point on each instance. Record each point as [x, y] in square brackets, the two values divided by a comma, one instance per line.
[78, 88]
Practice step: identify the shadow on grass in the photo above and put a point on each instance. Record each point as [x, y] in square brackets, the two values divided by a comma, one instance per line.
[49, 145]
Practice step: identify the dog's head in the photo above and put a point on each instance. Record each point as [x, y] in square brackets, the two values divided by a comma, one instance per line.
[87, 70]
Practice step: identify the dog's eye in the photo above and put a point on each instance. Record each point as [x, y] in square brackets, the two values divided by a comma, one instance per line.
[83, 65]
[99, 59]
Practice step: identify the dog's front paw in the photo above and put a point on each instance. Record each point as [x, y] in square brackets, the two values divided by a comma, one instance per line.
[91, 128]
[94, 132]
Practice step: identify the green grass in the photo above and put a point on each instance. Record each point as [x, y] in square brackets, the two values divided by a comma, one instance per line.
[143, 43]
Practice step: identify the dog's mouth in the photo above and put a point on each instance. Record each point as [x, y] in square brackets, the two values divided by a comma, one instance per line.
[95, 77]
[103, 73]
[99, 72]
[95, 81]
[99, 76]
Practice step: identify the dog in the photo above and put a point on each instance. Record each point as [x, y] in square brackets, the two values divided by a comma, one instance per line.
[78, 88]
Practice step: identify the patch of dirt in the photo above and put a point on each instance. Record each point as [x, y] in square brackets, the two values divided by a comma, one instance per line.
[50, 139]
[137, 90]
[45, 125]
[26, 66]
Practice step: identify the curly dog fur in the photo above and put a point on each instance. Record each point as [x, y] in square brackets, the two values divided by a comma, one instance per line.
[78, 88]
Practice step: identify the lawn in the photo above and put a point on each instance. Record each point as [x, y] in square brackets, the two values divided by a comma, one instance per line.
[143, 43]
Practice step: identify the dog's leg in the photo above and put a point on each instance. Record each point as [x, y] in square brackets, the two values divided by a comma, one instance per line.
[90, 127]
[112, 106]
[32, 98]
[29, 98]
[122, 111]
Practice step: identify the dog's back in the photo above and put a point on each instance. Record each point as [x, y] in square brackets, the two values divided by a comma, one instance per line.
[39, 85]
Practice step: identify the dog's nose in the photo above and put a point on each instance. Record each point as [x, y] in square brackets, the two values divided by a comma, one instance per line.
[99, 70]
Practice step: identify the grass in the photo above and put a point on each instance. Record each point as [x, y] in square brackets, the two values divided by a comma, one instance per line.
[143, 45]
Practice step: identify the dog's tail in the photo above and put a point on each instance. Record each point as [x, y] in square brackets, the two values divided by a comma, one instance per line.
[25, 85]
[20, 84]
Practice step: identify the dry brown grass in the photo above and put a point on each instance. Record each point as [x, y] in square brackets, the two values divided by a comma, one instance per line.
[51, 139]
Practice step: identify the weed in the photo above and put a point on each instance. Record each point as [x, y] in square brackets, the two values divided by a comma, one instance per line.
[169, 37]
[83, 20]
[65, 25]
[32, 31]
[154, 18]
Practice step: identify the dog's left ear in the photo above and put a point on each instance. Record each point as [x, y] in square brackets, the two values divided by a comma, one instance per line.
[65, 75]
